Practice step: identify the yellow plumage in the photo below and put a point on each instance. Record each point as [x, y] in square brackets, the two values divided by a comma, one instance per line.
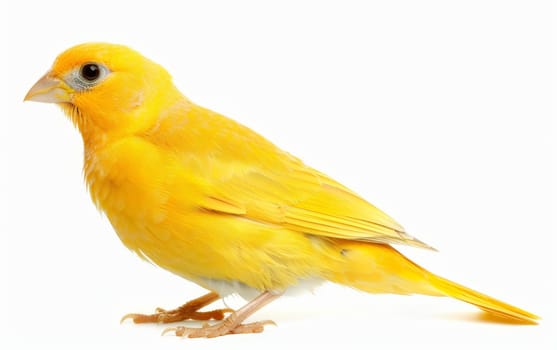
[214, 202]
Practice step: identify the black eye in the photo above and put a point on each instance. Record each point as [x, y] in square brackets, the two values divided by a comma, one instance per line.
[90, 71]
[87, 76]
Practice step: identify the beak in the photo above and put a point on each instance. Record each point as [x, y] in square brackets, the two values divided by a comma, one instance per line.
[50, 90]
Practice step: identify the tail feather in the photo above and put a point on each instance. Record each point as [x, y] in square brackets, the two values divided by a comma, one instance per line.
[379, 268]
[484, 302]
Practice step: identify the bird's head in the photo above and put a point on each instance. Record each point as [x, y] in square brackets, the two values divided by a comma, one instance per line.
[108, 87]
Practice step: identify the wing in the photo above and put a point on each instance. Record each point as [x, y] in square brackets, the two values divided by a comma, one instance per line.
[300, 198]
[245, 175]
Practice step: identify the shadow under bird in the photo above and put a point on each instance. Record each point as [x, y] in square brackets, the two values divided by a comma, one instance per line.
[214, 202]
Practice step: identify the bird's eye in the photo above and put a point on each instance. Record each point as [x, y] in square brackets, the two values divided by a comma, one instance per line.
[90, 71]
[87, 76]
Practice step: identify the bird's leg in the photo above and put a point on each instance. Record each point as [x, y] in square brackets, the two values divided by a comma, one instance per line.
[231, 324]
[188, 311]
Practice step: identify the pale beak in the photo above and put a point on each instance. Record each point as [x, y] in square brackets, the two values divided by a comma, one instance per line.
[50, 90]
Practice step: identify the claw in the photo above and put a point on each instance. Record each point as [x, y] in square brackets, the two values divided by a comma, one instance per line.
[127, 316]
[171, 329]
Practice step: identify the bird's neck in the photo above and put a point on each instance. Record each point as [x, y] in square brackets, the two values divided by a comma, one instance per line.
[98, 140]
[99, 130]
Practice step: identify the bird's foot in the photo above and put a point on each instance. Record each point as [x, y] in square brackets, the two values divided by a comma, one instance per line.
[219, 329]
[188, 311]
[232, 324]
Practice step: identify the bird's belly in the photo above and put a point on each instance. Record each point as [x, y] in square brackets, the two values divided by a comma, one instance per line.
[226, 254]
[225, 288]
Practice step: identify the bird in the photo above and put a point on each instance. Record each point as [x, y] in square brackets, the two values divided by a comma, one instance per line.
[214, 202]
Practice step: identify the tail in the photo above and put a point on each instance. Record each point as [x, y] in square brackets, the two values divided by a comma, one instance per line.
[379, 268]
[484, 302]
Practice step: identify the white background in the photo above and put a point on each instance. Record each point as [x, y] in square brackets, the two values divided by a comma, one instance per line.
[439, 112]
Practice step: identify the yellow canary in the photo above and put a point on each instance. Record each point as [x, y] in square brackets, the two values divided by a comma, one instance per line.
[212, 201]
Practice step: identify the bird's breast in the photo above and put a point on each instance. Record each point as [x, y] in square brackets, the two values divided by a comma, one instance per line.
[129, 181]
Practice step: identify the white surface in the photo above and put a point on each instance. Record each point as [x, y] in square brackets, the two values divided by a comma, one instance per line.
[438, 112]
